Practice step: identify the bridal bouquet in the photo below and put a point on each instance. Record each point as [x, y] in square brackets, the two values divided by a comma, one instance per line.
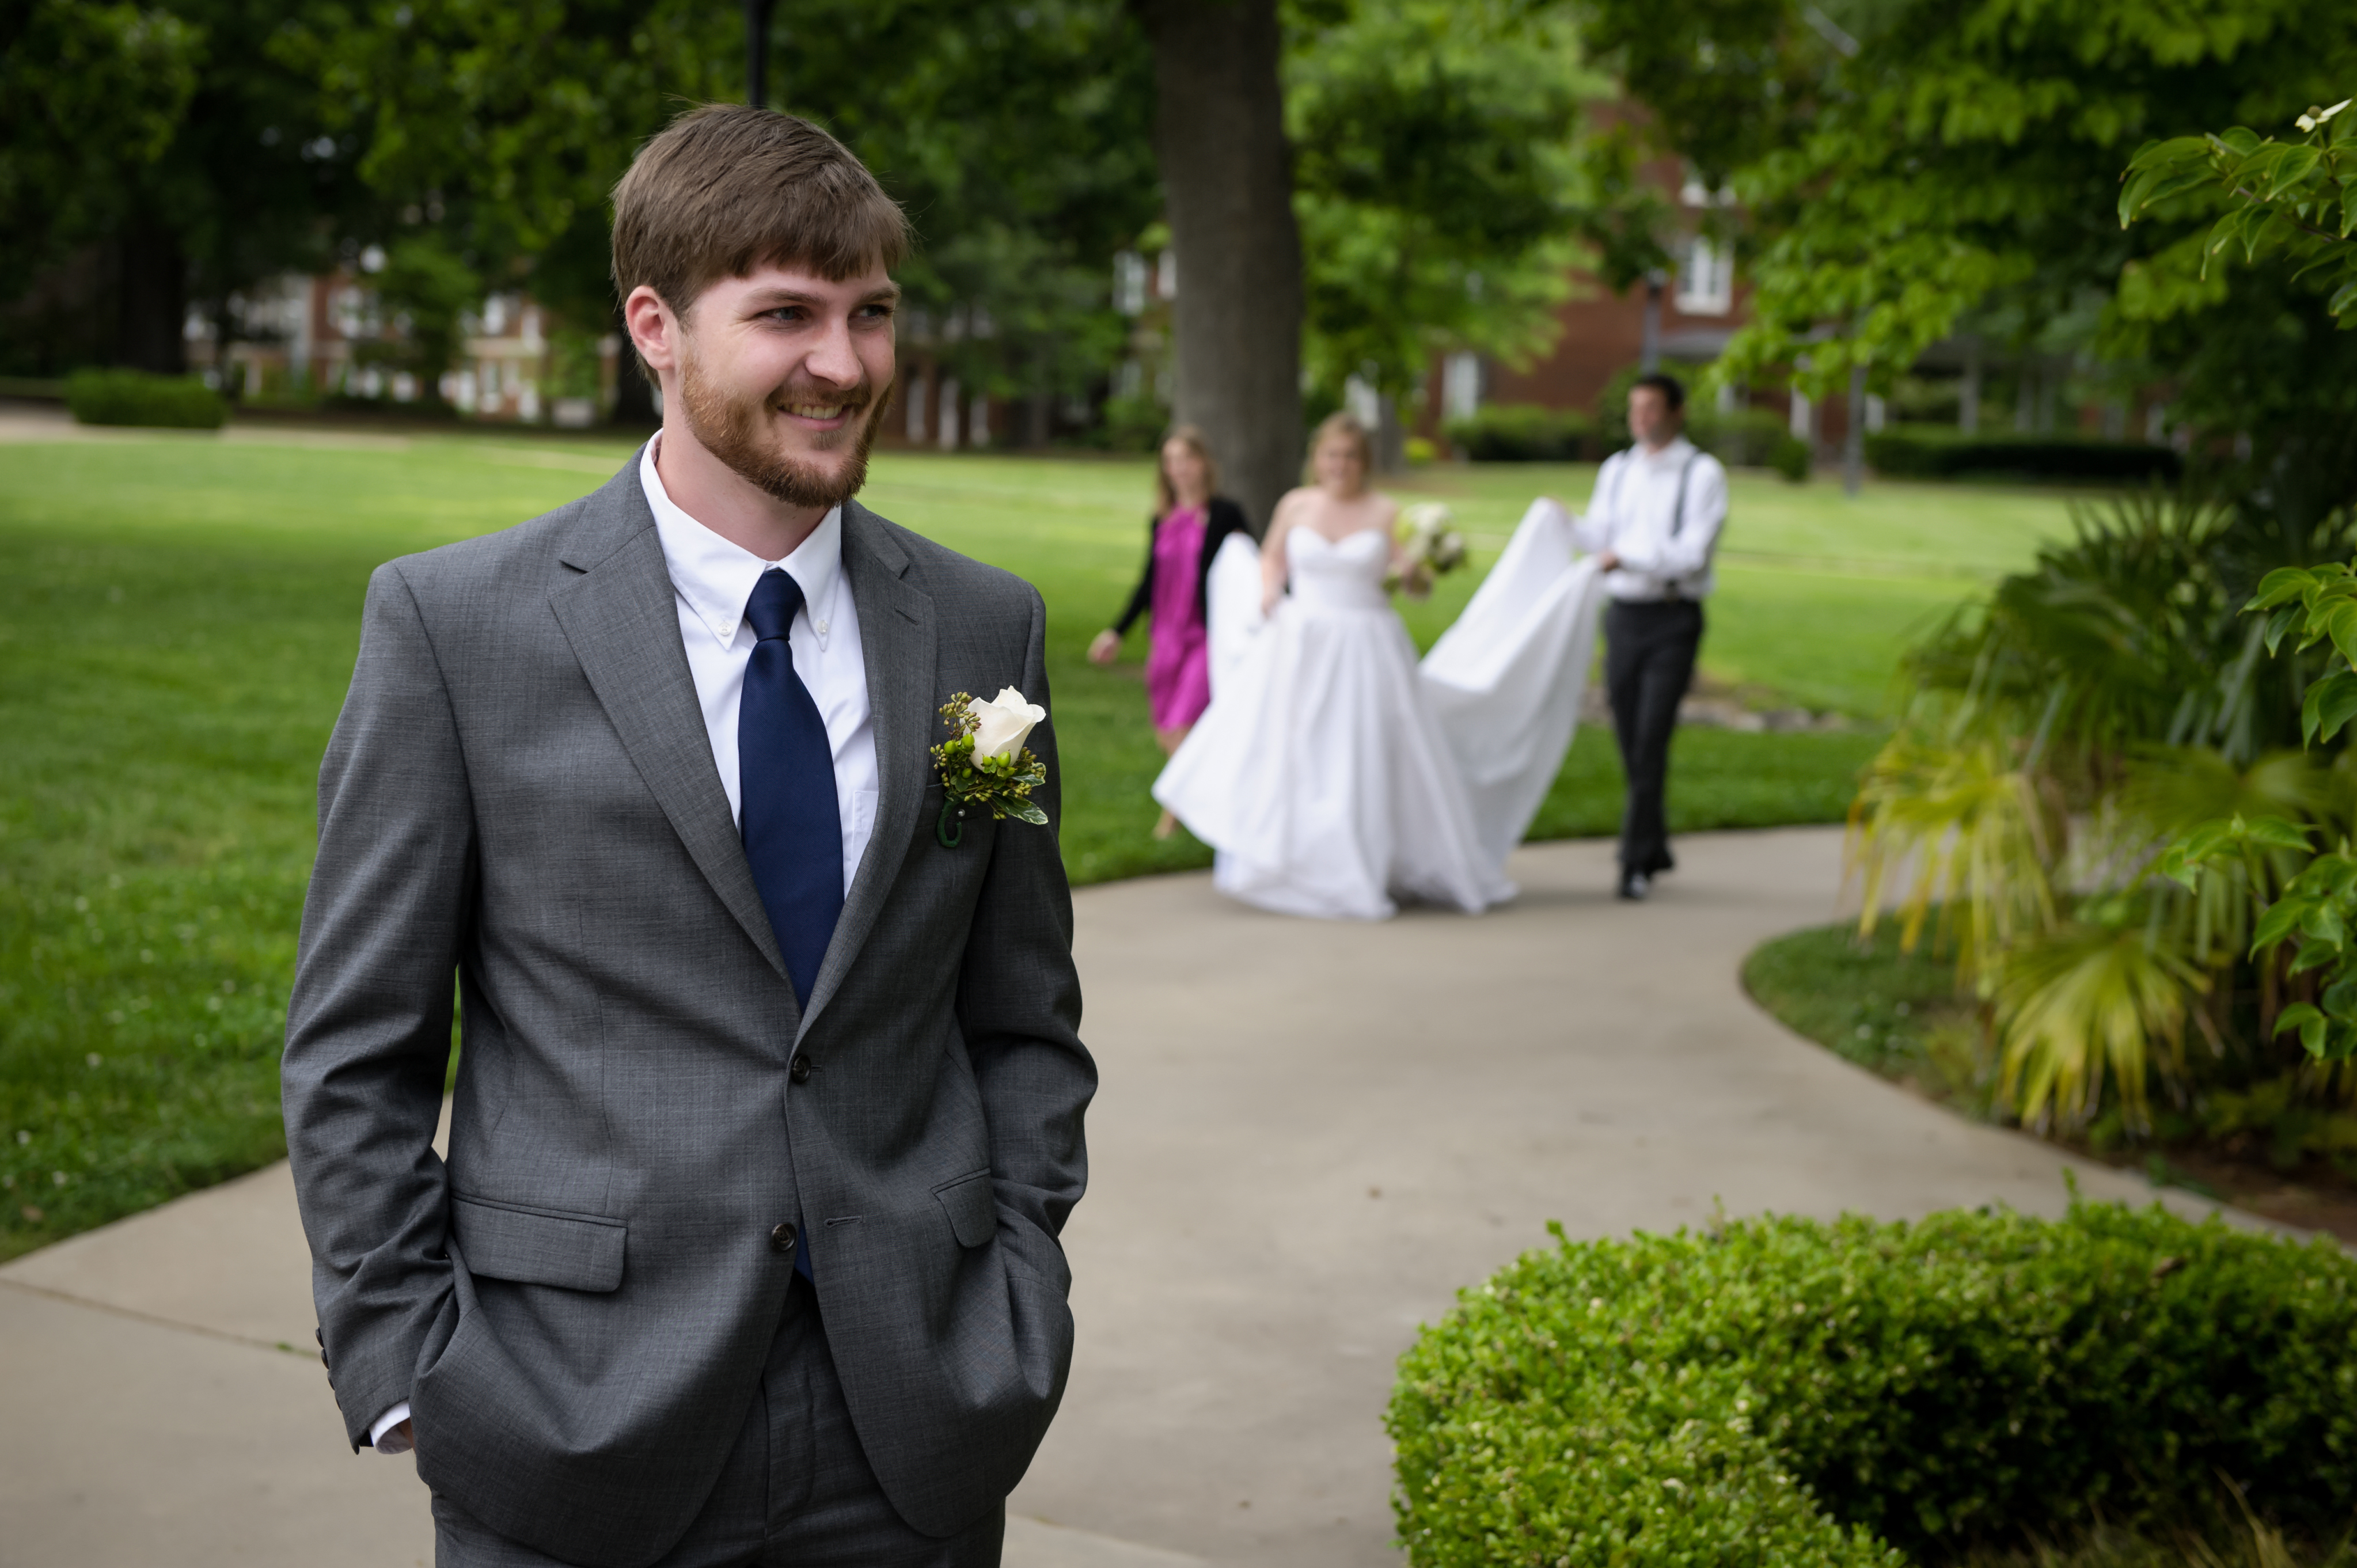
[1429, 540]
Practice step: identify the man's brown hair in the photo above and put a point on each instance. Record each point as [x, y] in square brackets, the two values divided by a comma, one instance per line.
[725, 188]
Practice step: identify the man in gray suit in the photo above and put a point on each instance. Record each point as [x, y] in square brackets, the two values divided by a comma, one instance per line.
[769, 1109]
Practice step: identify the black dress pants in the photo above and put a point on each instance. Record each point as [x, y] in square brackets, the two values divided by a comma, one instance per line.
[1649, 659]
[796, 1490]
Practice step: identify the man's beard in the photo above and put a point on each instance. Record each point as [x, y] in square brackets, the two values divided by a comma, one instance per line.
[735, 432]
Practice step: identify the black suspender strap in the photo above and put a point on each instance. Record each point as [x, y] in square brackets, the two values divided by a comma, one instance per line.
[1677, 507]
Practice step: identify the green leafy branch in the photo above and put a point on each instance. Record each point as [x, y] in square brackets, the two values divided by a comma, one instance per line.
[2311, 918]
[2321, 604]
[2296, 199]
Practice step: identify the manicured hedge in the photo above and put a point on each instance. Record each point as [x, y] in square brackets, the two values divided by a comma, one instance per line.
[1750, 438]
[1938, 452]
[134, 397]
[1788, 1392]
[1524, 433]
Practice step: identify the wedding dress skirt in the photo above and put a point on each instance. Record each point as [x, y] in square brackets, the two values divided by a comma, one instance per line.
[1334, 778]
[1506, 679]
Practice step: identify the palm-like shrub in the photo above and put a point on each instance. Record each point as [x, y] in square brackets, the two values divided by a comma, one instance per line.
[2055, 742]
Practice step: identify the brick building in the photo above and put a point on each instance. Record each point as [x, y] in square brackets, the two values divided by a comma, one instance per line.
[314, 336]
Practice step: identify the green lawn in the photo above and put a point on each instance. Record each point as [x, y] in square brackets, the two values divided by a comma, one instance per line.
[1893, 1013]
[178, 616]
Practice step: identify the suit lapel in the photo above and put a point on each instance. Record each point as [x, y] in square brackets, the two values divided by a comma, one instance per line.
[619, 617]
[896, 635]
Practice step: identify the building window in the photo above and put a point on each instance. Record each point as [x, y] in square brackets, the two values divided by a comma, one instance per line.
[1460, 386]
[1706, 279]
[1694, 193]
[1128, 283]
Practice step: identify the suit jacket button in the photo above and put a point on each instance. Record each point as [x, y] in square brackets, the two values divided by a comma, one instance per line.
[782, 1239]
[800, 1068]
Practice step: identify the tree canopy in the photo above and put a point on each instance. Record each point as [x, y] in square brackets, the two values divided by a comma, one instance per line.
[162, 150]
[1445, 163]
[1904, 164]
[1436, 180]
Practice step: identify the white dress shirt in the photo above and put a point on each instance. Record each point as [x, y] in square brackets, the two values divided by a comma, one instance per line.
[711, 581]
[1631, 515]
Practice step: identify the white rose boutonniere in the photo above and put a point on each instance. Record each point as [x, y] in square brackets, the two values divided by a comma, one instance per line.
[1003, 724]
[985, 765]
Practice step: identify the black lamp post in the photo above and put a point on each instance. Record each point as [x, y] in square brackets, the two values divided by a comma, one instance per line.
[757, 52]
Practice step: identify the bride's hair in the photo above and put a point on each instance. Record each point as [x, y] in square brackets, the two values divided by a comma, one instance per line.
[1166, 498]
[1346, 425]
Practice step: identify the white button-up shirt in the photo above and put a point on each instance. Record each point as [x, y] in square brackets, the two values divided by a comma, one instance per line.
[712, 580]
[1630, 515]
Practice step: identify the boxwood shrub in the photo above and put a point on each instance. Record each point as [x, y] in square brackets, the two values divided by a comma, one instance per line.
[1941, 452]
[1785, 1392]
[1525, 433]
[1749, 438]
[136, 397]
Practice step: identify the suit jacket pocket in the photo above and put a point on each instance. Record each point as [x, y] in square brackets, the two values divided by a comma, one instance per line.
[971, 1206]
[538, 1246]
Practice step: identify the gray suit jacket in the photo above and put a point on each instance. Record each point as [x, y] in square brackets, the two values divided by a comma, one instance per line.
[519, 792]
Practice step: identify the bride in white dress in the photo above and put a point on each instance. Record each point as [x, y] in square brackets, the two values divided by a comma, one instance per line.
[1333, 775]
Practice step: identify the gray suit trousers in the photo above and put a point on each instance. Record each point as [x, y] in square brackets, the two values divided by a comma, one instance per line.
[795, 1492]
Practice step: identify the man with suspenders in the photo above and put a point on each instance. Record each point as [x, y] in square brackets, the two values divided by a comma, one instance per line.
[1652, 525]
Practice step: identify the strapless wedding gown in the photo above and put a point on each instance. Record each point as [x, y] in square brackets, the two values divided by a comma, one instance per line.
[1335, 777]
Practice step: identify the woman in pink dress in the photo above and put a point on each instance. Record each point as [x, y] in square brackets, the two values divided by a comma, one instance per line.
[1185, 532]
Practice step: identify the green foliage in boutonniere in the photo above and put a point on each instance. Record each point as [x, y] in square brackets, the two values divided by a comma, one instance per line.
[984, 765]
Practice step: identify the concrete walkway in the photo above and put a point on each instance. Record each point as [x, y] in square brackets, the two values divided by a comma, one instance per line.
[1308, 1137]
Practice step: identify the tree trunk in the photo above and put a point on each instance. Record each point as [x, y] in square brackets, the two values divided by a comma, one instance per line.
[757, 52]
[1040, 408]
[1227, 180]
[154, 303]
[1968, 396]
[1391, 436]
[1853, 435]
[634, 395]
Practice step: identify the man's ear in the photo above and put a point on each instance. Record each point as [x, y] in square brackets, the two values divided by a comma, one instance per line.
[655, 329]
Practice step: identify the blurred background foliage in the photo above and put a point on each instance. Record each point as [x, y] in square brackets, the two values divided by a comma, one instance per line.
[1446, 164]
[1905, 171]
[1906, 174]
[2057, 736]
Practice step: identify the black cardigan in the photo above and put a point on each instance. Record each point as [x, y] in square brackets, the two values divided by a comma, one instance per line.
[1222, 518]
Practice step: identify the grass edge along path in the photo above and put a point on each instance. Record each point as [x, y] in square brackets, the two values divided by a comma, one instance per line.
[1900, 1016]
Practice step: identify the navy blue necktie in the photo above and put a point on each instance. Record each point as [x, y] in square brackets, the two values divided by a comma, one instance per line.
[785, 783]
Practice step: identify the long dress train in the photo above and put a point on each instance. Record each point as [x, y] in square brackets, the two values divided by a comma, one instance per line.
[1334, 778]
